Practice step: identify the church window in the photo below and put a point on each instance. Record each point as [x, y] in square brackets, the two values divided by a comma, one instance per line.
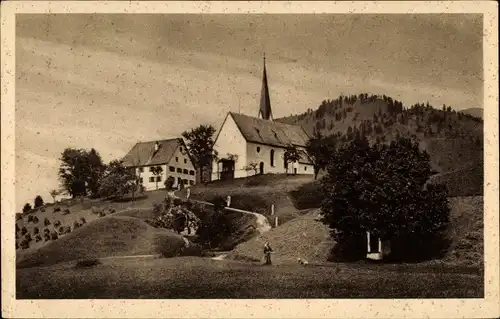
[185, 161]
[258, 149]
[151, 179]
[305, 168]
[272, 158]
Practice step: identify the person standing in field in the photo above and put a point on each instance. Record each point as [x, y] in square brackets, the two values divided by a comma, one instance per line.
[267, 253]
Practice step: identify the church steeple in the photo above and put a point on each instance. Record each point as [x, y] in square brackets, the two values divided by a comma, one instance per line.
[265, 102]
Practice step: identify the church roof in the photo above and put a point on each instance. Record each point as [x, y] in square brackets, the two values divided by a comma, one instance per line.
[143, 153]
[270, 132]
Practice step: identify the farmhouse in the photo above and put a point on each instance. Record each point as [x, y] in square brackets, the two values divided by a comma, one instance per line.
[171, 155]
[249, 145]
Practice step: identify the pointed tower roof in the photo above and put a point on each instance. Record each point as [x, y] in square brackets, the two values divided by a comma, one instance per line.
[265, 102]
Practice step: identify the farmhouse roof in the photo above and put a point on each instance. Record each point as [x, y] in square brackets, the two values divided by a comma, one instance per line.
[270, 132]
[145, 153]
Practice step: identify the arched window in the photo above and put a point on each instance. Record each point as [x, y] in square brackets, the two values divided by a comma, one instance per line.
[258, 149]
[272, 158]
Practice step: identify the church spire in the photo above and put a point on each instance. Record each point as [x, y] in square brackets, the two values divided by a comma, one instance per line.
[265, 102]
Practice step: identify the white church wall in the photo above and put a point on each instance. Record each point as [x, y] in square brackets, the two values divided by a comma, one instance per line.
[230, 141]
[257, 153]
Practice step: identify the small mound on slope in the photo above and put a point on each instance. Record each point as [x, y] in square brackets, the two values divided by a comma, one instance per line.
[106, 237]
[303, 237]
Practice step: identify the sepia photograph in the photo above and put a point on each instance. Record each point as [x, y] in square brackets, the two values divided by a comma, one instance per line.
[262, 155]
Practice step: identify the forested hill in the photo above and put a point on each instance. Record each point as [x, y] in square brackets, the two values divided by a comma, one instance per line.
[453, 139]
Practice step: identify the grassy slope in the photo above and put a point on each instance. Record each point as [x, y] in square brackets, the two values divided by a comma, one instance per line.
[257, 194]
[108, 236]
[307, 238]
[190, 278]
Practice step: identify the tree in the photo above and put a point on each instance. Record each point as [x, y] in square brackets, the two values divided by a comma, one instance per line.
[54, 193]
[320, 149]
[214, 227]
[291, 155]
[38, 201]
[117, 181]
[201, 146]
[169, 183]
[382, 189]
[157, 171]
[80, 171]
[26, 208]
[252, 167]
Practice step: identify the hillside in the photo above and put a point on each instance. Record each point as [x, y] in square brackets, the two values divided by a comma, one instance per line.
[474, 111]
[453, 139]
[307, 238]
[105, 237]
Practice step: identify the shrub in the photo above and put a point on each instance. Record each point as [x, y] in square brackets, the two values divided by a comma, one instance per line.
[57, 223]
[57, 209]
[25, 244]
[35, 230]
[35, 220]
[169, 182]
[28, 237]
[87, 263]
[67, 230]
[62, 230]
[30, 218]
[46, 221]
[46, 236]
[24, 231]
[214, 228]
[54, 235]
[26, 208]
[46, 231]
[38, 238]
[38, 201]
[83, 221]
[76, 225]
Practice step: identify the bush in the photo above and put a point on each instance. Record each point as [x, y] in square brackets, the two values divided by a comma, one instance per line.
[87, 263]
[24, 231]
[25, 244]
[35, 230]
[38, 201]
[214, 228]
[169, 182]
[57, 209]
[76, 225]
[54, 235]
[35, 220]
[38, 238]
[46, 231]
[62, 230]
[83, 221]
[30, 218]
[307, 196]
[46, 221]
[28, 237]
[46, 236]
[57, 223]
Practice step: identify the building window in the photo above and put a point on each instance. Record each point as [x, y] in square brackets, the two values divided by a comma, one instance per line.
[185, 181]
[141, 169]
[177, 159]
[172, 169]
[150, 168]
[185, 171]
[179, 170]
[151, 179]
[305, 168]
[191, 173]
[191, 182]
[185, 161]
[272, 158]
[158, 178]
[258, 149]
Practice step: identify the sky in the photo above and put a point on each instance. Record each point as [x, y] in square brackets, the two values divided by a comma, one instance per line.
[108, 81]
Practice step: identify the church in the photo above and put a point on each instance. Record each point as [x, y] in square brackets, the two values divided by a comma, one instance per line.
[249, 145]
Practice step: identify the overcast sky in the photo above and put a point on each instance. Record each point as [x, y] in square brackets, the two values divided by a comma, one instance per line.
[109, 80]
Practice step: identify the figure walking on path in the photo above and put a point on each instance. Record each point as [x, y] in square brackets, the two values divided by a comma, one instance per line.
[267, 253]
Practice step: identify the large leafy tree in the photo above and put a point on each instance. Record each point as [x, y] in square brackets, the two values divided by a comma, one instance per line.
[80, 171]
[382, 189]
[200, 143]
[320, 149]
[117, 181]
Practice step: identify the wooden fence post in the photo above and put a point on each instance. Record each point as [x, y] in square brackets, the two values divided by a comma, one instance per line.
[276, 221]
[272, 209]
[368, 240]
[228, 201]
